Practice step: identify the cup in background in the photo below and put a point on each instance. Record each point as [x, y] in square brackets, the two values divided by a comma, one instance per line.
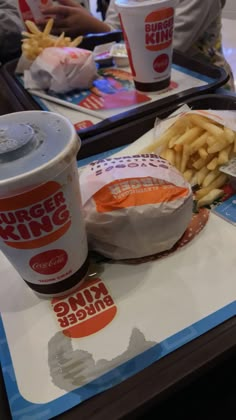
[148, 33]
[32, 9]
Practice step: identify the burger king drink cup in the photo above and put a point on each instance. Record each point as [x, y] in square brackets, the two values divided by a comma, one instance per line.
[42, 231]
[148, 32]
[32, 9]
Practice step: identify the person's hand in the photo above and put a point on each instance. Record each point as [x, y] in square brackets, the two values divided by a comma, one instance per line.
[73, 19]
[69, 17]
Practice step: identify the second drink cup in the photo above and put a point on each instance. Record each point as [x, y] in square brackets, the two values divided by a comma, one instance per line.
[148, 31]
[42, 229]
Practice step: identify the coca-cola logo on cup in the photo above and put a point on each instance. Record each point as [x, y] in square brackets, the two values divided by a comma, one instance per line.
[161, 63]
[49, 262]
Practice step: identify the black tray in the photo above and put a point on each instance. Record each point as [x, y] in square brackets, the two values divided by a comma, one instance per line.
[218, 75]
[176, 371]
[120, 135]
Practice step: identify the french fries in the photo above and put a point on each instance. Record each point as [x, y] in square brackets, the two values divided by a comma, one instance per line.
[210, 197]
[35, 41]
[197, 147]
[203, 153]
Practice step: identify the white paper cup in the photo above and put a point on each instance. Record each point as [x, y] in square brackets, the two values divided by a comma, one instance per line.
[42, 230]
[148, 32]
[32, 9]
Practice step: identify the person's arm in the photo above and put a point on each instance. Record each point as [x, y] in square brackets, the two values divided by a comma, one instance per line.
[10, 30]
[192, 19]
[74, 20]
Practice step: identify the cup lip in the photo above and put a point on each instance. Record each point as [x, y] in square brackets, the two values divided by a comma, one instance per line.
[70, 149]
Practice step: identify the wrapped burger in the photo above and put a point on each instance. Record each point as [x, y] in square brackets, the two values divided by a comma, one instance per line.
[134, 206]
[61, 69]
[54, 63]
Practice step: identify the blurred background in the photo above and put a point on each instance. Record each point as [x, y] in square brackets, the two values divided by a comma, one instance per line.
[229, 38]
[229, 32]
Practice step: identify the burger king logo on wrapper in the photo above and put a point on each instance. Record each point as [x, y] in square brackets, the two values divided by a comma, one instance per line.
[34, 219]
[85, 312]
[159, 29]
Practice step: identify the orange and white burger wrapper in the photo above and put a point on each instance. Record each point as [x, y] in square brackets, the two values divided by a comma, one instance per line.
[134, 206]
[61, 70]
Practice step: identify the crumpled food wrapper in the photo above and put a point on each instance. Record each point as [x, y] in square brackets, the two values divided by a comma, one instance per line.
[134, 206]
[61, 70]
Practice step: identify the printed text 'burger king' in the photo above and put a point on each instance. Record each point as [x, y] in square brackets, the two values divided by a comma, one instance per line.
[159, 29]
[87, 311]
[36, 218]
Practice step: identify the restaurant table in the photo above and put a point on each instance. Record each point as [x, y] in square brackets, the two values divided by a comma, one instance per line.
[197, 380]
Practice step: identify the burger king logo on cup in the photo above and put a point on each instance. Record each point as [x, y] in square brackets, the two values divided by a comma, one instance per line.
[34, 219]
[159, 29]
[85, 312]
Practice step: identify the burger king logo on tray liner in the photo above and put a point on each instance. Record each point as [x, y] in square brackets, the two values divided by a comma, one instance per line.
[86, 312]
[159, 29]
[34, 219]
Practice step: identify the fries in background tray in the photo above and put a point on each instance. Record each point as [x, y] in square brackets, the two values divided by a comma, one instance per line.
[35, 41]
[197, 147]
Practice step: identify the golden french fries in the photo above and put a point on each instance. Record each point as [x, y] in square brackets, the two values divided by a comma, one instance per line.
[203, 153]
[201, 175]
[188, 174]
[212, 165]
[199, 143]
[206, 125]
[224, 155]
[229, 135]
[170, 156]
[35, 41]
[185, 157]
[219, 145]
[197, 147]
[210, 177]
[219, 181]
[210, 140]
[202, 192]
[191, 135]
[178, 160]
[210, 197]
